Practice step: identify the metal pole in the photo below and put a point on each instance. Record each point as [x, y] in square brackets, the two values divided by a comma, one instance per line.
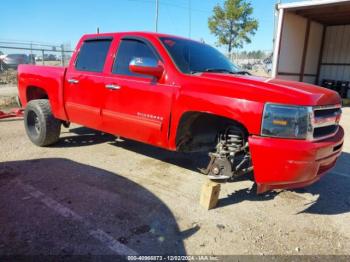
[189, 18]
[42, 52]
[275, 20]
[157, 12]
[31, 53]
[62, 54]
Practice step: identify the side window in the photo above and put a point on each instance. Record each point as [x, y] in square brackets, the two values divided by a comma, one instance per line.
[128, 50]
[92, 55]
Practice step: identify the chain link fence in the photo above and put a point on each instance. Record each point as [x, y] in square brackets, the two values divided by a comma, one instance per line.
[14, 53]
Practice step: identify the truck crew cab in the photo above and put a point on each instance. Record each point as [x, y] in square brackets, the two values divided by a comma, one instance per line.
[184, 95]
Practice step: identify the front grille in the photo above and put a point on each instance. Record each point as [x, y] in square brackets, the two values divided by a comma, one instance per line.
[324, 113]
[325, 121]
[336, 148]
[320, 132]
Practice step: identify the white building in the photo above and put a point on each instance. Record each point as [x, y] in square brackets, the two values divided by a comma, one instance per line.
[312, 41]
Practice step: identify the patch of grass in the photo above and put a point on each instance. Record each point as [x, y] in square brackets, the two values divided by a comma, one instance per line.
[7, 102]
[8, 77]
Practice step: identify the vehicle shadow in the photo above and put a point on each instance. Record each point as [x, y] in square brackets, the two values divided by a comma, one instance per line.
[246, 194]
[332, 192]
[331, 189]
[190, 161]
[84, 137]
[60, 207]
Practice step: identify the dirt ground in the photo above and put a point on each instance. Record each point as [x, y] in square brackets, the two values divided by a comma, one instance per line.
[8, 94]
[8, 77]
[93, 194]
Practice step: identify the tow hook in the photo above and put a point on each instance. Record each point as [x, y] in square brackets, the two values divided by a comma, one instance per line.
[66, 124]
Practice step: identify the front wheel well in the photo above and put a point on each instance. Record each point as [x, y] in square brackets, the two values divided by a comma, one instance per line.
[34, 92]
[198, 131]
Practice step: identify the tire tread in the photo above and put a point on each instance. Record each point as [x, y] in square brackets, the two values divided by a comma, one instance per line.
[52, 125]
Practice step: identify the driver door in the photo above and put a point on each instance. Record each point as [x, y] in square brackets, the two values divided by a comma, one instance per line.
[136, 106]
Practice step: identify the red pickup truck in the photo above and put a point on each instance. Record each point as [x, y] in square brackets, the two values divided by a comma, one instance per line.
[183, 95]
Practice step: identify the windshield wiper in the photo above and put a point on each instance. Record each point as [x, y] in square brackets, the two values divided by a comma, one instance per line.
[243, 73]
[219, 70]
[227, 71]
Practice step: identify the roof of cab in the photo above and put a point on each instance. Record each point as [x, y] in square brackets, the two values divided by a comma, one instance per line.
[133, 33]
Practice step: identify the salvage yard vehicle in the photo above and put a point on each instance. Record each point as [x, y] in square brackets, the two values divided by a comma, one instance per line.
[13, 61]
[186, 96]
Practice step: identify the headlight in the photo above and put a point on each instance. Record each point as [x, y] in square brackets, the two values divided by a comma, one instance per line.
[286, 121]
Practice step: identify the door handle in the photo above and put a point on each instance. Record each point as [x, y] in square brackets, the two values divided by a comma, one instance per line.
[73, 81]
[113, 87]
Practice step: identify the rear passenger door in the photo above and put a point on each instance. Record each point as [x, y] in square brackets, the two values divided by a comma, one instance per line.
[84, 83]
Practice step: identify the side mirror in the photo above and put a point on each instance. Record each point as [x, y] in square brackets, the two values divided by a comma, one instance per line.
[146, 66]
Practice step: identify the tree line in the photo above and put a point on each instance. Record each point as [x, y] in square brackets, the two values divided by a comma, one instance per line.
[233, 24]
[258, 54]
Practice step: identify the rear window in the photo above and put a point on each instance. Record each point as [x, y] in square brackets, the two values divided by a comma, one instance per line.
[92, 55]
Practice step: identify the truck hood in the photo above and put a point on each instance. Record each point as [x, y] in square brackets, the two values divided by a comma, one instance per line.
[276, 90]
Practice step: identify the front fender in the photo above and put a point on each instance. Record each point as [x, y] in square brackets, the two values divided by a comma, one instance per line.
[248, 113]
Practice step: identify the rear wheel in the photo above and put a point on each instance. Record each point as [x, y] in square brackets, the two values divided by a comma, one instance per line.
[42, 128]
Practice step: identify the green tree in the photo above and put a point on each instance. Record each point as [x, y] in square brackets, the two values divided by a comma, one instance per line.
[233, 24]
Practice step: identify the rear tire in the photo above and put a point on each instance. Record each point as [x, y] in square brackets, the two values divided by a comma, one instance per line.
[42, 128]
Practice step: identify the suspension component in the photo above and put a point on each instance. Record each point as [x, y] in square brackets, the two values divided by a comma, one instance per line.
[231, 158]
[66, 124]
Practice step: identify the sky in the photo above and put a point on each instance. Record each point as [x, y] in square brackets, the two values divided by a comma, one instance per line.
[65, 21]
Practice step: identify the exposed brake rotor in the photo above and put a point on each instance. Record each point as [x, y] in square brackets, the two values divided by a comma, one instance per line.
[231, 158]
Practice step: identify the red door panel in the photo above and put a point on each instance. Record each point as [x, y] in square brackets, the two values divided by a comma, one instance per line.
[83, 98]
[138, 109]
[84, 82]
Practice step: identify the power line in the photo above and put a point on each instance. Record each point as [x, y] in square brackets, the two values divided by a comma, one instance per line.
[186, 7]
[26, 42]
[172, 4]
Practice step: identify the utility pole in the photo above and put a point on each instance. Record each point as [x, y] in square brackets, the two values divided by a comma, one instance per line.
[157, 12]
[275, 18]
[189, 19]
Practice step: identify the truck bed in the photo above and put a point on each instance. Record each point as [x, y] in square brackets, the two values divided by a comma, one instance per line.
[46, 78]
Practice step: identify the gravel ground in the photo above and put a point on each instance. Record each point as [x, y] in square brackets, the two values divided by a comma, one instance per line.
[93, 194]
[8, 77]
[8, 95]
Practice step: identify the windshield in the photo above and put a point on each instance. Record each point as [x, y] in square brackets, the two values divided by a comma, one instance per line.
[192, 57]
